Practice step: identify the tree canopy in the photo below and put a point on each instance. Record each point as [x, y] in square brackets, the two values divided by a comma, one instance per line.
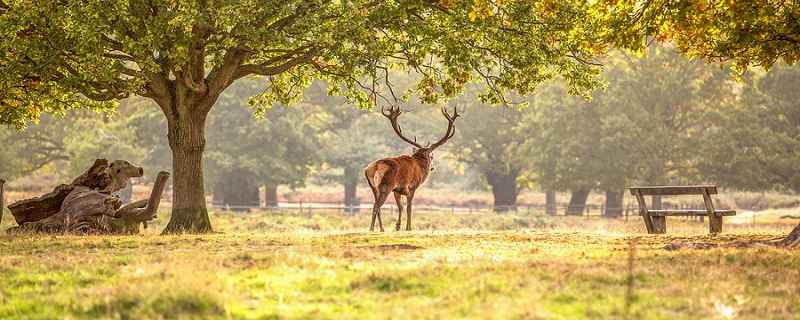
[746, 32]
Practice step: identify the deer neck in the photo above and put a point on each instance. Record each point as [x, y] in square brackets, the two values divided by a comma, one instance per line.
[424, 162]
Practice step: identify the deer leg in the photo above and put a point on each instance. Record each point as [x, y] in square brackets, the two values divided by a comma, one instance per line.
[399, 199]
[380, 199]
[409, 197]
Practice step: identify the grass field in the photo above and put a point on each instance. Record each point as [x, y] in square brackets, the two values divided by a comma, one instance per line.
[267, 265]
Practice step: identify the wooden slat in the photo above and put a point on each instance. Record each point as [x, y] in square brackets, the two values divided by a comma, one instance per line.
[648, 223]
[691, 213]
[714, 221]
[672, 190]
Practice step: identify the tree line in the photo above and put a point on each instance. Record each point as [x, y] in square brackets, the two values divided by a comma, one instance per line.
[662, 119]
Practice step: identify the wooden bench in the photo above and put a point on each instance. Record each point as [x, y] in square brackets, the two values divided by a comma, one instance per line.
[655, 220]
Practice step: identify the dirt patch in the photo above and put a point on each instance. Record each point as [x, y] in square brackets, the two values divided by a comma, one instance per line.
[395, 247]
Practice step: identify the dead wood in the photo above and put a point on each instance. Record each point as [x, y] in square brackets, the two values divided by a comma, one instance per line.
[793, 238]
[101, 175]
[93, 211]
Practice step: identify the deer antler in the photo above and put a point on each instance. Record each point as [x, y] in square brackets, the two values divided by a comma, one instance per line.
[395, 111]
[451, 127]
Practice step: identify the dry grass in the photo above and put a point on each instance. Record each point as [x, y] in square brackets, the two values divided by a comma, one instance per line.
[265, 265]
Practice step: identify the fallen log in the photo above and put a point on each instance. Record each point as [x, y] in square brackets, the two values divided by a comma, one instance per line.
[88, 211]
[87, 205]
[107, 177]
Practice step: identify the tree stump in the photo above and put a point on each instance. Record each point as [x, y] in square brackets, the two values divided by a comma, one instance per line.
[87, 205]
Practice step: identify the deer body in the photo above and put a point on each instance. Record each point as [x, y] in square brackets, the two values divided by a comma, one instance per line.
[402, 175]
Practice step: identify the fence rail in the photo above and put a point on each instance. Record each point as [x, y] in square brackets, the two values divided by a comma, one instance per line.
[339, 207]
[589, 210]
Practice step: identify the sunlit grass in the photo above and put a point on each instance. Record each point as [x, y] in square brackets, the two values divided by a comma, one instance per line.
[264, 265]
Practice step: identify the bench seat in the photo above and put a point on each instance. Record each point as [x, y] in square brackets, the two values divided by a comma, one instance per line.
[689, 213]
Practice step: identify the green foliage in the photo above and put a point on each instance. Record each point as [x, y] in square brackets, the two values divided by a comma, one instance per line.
[648, 127]
[745, 31]
[63, 55]
[487, 142]
[753, 146]
[281, 148]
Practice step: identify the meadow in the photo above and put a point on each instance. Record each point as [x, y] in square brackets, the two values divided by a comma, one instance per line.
[521, 265]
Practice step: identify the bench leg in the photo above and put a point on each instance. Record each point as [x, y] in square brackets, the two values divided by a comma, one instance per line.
[659, 225]
[648, 223]
[714, 224]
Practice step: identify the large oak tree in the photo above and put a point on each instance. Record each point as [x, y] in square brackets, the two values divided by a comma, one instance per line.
[64, 54]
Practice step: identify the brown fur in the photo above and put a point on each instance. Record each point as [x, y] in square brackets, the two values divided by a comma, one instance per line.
[400, 175]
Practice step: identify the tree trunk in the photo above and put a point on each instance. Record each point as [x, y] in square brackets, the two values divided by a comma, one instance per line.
[577, 203]
[504, 189]
[351, 177]
[551, 208]
[236, 191]
[270, 195]
[187, 140]
[613, 205]
[656, 203]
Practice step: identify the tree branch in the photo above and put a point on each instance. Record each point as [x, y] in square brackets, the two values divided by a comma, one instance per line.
[186, 80]
[265, 69]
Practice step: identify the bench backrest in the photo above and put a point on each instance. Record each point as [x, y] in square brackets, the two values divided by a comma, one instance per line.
[673, 190]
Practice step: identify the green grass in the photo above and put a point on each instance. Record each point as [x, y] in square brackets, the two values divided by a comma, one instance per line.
[273, 265]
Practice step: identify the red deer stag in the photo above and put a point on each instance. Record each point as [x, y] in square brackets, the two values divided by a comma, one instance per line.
[403, 174]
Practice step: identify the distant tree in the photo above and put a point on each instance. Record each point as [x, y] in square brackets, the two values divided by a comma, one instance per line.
[353, 141]
[148, 130]
[10, 163]
[487, 142]
[57, 55]
[353, 156]
[245, 152]
[97, 139]
[746, 32]
[560, 134]
[27, 151]
[647, 127]
[756, 145]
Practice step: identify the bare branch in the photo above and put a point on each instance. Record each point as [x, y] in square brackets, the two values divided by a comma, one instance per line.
[392, 114]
